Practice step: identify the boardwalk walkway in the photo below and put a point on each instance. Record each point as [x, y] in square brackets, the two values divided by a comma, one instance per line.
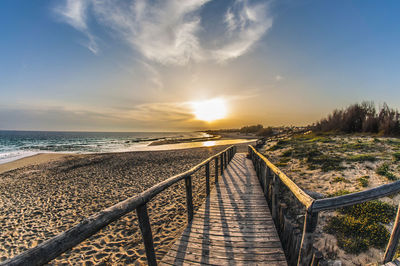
[234, 225]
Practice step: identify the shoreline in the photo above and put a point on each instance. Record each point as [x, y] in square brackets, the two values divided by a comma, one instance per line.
[42, 157]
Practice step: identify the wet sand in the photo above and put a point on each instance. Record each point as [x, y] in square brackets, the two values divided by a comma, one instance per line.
[44, 195]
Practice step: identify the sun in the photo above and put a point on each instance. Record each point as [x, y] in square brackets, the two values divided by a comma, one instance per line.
[210, 110]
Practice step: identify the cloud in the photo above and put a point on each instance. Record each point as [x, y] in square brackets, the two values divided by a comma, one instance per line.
[246, 24]
[278, 77]
[158, 116]
[168, 31]
[73, 12]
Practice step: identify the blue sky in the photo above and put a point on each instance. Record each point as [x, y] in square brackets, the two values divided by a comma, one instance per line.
[136, 65]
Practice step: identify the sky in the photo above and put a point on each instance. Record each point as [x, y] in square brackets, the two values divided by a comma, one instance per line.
[110, 65]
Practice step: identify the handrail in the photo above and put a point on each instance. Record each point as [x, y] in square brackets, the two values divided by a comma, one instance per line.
[356, 198]
[302, 196]
[52, 248]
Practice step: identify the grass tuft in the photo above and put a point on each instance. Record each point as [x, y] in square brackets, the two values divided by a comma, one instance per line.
[361, 158]
[363, 181]
[340, 179]
[384, 170]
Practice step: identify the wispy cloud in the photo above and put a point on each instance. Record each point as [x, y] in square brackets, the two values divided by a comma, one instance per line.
[168, 31]
[74, 12]
[246, 24]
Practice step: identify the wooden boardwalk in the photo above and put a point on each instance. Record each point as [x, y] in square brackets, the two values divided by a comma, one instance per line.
[233, 226]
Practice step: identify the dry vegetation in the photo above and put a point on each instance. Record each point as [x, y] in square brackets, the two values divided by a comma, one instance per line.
[331, 165]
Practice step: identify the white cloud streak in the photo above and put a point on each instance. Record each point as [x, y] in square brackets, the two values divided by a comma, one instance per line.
[246, 24]
[73, 12]
[168, 31]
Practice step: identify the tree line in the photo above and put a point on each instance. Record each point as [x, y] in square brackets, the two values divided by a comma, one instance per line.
[361, 118]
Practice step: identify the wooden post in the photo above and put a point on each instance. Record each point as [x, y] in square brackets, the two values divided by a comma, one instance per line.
[394, 239]
[295, 245]
[189, 199]
[268, 180]
[216, 169]
[317, 257]
[225, 159]
[208, 178]
[221, 159]
[263, 177]
[307, 241]
[274, 200]
[145, 228]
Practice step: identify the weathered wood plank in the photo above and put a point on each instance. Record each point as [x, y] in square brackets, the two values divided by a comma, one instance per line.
[239, 254]
[176, 260]
[356, 198]
[228, 243]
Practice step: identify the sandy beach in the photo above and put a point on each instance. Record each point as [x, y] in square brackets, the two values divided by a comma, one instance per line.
[46, 194]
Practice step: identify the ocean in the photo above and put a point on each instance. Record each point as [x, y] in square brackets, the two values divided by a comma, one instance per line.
[18, 144]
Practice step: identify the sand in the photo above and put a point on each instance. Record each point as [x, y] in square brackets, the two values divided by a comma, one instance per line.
[43, 195]
[32, 160]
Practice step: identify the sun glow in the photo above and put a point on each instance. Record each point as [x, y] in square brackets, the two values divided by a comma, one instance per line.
[210, 110]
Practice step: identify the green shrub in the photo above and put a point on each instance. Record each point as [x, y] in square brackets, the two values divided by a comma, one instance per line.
[384, 170]
[375, 211]
[363, 181]
[396, 156]
[321, 139]
[287, 153]
[279, 145]
[339, 193]
[360, 226]
[265, 132]
[325, 162]
[361, 158]
[340, 179]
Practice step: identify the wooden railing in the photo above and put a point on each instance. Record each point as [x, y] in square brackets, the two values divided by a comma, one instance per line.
[299, 247]
[59, 244]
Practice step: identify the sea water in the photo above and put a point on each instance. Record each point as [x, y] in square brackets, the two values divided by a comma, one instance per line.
[18, 144]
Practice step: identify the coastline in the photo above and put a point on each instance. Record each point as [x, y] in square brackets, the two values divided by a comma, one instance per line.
[42, 157]
[35, 159]
[48, 196]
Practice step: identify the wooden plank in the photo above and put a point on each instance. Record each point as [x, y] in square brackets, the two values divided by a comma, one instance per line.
[356, 198]
[222, 249]
[228, 243]
[192, 260]
[240, 254]
[229, 233]
[238, 229]
[233, 226]
[194, 254]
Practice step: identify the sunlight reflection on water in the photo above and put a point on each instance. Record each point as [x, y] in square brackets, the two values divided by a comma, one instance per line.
[208, 143]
